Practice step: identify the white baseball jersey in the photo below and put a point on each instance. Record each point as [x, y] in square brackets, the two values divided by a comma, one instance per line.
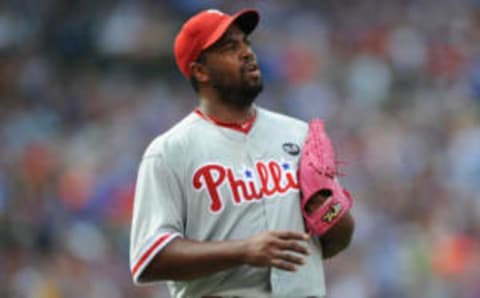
[207, 182]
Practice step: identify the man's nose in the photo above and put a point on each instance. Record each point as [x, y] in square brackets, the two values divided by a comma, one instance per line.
[247, 53]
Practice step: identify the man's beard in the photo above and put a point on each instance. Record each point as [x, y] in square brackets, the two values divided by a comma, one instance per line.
[237, 94]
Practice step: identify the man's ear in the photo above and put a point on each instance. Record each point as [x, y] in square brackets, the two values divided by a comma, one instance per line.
[199, 72]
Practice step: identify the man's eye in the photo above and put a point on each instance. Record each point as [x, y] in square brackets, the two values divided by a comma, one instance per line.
[230, 46]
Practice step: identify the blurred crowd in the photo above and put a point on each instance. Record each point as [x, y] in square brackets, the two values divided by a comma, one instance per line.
[85, 85]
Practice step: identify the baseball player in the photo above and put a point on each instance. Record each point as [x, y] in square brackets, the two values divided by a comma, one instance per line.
[217, 204]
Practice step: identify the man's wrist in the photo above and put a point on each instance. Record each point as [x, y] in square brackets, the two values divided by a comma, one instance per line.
[240, 251]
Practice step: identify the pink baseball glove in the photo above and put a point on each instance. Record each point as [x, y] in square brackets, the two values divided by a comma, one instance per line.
[317, 175]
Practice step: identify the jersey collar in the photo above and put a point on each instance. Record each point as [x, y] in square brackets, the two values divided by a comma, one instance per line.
[243, 127]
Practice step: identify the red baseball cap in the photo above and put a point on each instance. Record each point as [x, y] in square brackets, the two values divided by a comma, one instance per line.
[204, 29]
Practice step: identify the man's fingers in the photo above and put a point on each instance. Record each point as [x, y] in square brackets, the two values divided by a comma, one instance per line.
[293, 246]
[280, 264]
[290, 235]
[288, 257]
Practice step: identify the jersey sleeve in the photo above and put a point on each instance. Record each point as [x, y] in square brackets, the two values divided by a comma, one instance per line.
[157, 213]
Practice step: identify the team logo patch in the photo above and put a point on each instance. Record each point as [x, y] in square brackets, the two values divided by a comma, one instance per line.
[291, 148]
[332, 213]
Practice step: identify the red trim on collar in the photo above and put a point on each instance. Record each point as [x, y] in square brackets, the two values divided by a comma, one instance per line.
[241, 127]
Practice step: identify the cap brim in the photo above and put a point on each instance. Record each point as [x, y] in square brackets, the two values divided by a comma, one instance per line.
[247, 20]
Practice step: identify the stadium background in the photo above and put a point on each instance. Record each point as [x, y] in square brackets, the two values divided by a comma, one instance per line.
[85, 85]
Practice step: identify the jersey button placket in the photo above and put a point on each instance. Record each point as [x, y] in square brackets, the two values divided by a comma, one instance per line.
[253, 155]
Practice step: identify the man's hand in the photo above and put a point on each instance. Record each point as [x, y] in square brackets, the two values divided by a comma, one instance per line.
[278, 249]
[340, 235]
[317, 200]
